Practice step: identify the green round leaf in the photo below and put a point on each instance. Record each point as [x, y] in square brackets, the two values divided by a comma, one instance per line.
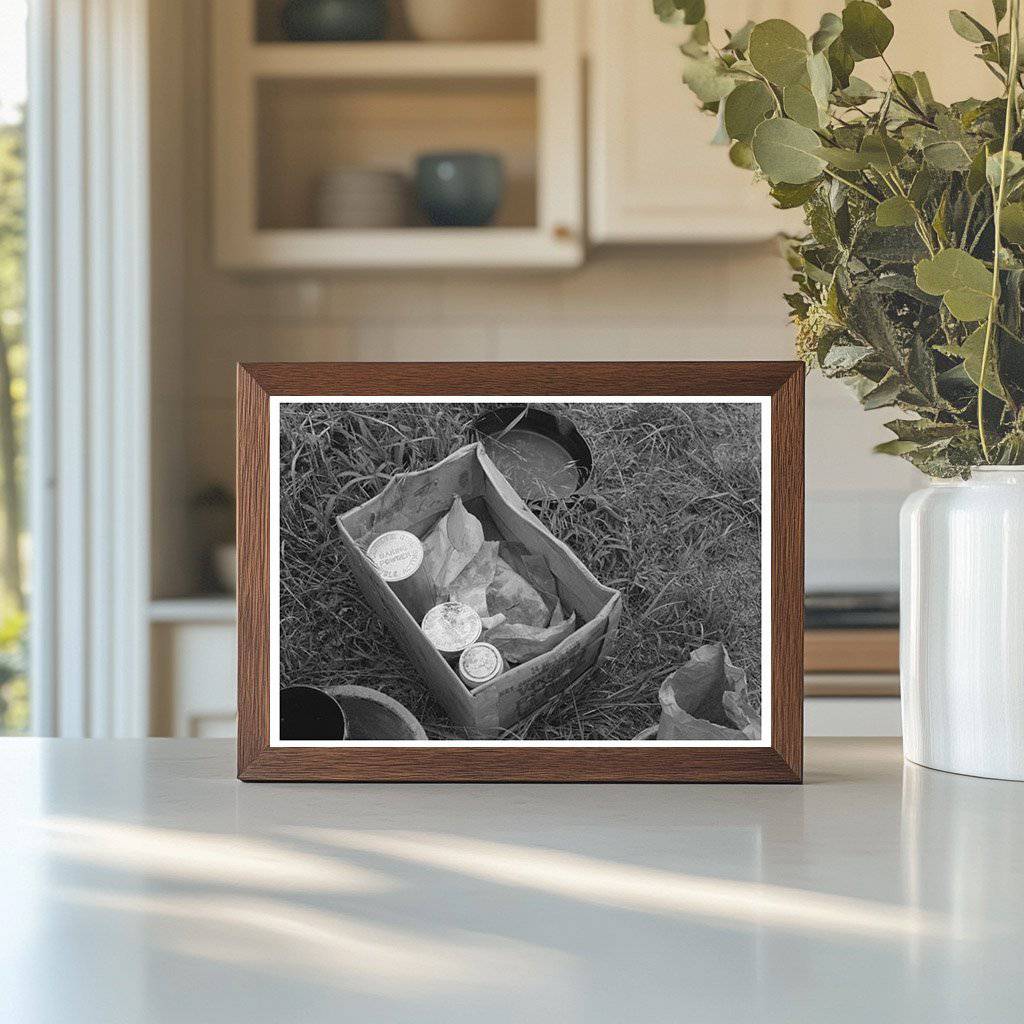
[787, 152]
[883, 152]
[788, 197]
[972, 351]
[1012, 225]
[857, 91]
[741, 155]
[895, 212]
[924, 87]
[994, 164]
[779, 51]
[963, 281]
[840, 61]
[819, 75]
[829, 30]
[976, 173]
[745, 108]
[866, 29]
[896, 447]
[801, 106]
[844, 159]
[969, 28]
[690, 12]
[707, 78]
[740, 39]
[947, 156]
[693, 11]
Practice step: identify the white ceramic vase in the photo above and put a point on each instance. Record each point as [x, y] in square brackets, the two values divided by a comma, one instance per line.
[962, 624]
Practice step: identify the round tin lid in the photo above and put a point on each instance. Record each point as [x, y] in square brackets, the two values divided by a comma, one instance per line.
[541, 453]
[480, 663]
[396, 555]
[452, 627]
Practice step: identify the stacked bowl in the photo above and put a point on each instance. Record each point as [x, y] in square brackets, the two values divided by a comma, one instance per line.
[362, 197]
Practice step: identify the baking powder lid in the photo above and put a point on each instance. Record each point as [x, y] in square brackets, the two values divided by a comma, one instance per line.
[396, 555]
[480, 663]
[452, 626]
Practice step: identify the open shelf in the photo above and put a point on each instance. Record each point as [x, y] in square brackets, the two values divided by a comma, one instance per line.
[519, 24]
[406, 248]
[308, 127]
[285, 114]
[390, 60]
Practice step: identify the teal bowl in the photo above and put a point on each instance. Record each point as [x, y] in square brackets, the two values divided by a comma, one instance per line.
[334, 21]
[460, 190]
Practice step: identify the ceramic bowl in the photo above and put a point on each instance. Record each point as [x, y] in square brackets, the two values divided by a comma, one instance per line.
[361, 197]
[460, 189]
[470, 20]
[332, 21]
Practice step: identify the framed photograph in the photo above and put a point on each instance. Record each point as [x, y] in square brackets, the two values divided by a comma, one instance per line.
[517, 572]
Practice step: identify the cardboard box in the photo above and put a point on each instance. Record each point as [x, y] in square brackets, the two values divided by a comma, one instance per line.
[415, 502]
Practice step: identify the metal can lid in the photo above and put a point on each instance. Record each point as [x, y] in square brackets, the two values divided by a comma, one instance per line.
[480, 663]
[396, 555]
[452, 626]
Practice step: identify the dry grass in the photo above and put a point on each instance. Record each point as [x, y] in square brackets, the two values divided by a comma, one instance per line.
[672, 521]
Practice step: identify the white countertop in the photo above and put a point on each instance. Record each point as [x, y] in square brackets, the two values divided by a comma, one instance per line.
[140, 882]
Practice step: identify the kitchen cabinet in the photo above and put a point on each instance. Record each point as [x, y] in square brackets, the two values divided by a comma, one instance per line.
[286, 114]
[192, 646]
[654, 177]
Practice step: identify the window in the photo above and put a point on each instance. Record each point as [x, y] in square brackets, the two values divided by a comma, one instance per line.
[14, 693]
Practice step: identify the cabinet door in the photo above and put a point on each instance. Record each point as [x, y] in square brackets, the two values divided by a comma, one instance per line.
[654, 177]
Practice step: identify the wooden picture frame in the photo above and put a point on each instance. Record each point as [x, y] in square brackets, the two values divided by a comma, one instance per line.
[778, 759]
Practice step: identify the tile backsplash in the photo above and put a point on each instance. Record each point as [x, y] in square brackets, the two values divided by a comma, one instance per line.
[707, 303]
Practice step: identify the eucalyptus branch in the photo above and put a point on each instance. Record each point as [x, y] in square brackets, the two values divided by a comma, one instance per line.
[993, 309]
[908, 200]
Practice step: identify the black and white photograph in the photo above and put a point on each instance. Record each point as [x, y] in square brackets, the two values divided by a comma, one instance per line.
[529, 570]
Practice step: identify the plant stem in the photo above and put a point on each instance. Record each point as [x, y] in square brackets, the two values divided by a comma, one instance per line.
[923, 230]
[1011, 109]
[980, 232]
[775, 98]
[853, 185]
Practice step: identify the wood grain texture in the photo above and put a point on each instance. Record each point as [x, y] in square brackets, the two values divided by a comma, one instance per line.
[781, 762]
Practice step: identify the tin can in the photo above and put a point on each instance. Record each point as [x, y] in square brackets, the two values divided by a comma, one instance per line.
[480, 663]
[451, 627]
[398, 558]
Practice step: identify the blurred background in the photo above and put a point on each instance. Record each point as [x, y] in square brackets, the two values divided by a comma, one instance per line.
[365, 180]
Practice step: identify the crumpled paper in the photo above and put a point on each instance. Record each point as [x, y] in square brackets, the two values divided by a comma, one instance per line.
[708, 699]
[451, 545]
[471, 585]
[515, 598]
[519, 643]
[521, 618]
